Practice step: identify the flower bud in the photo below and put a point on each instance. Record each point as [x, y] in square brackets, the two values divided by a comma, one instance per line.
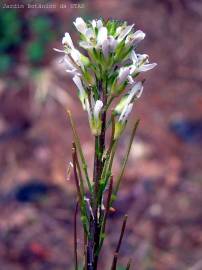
[66, 40]
[102, 36]
[80, 25]
[81, 93]
[94, 116]
[123, 74]
[135, 38]
[96, 123]
[121, 123]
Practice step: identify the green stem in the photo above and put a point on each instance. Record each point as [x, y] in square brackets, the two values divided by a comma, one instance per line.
[118, 182]
[82, 203]
[106, 213]
[78, 145]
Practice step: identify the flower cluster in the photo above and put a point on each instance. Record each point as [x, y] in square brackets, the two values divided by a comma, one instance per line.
[107, 68]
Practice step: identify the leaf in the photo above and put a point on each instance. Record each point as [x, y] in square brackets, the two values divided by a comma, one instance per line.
[78, 146]
[118, 182]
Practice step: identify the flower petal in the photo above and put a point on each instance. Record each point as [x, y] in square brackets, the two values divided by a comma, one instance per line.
[125, 32]
[105, 48]
[125, 113]
[135, 38]
[66, 40]
[123, 74]
[136, 91]
[86, 45]
[58, 50]
[80, 25]
[97, 108]
[102, 35]
[147, 67]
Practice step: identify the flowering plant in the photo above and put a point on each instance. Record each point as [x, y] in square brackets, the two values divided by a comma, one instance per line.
[106, 79]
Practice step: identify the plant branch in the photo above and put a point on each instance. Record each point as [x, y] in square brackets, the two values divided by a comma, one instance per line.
[107, 210]
[118, 182]
[114, 263]
[76, 175]
[78, 145]
[75, 237]
[82, 204]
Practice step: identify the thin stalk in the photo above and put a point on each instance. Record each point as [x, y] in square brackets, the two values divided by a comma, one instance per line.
[110, 150]
[106, 160]
[81, 184]
[79, 172]
[120, 176]
[109, 103]
[75, 237]
[98, 167]
[114, 263]
[113, 151]
[108, 167]
[78, 145]
[107, 210]
[93, 241]
[79, 193]
[76, 179]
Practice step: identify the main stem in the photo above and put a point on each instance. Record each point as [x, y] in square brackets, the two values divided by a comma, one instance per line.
[95, 226]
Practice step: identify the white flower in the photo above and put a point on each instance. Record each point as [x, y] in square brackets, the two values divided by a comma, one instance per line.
[82, 94]
[140, 63]
[123, 31]
[86, 45]
[89, 34]
[123, 74]
[125, 113]
[97, 109]
[68, 62]
[79, 84]
[130, 79]
[105, 48]
[135, 92]
[94, 116]
[135, 38]
[108, 46]
[58, 50]
[97, 23]
[74, 53]
[71, 68]
[90, 41]
[102, 36]
[76, 56]
[66, 40]
[112, 43]
[94, 113]
[120, 124]
[147, 67]
[80, 25]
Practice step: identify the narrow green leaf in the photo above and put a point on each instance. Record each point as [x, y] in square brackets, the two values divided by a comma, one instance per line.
[118, 182]
[78, 145]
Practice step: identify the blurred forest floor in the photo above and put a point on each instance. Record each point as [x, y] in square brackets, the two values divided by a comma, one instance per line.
[162, 187]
